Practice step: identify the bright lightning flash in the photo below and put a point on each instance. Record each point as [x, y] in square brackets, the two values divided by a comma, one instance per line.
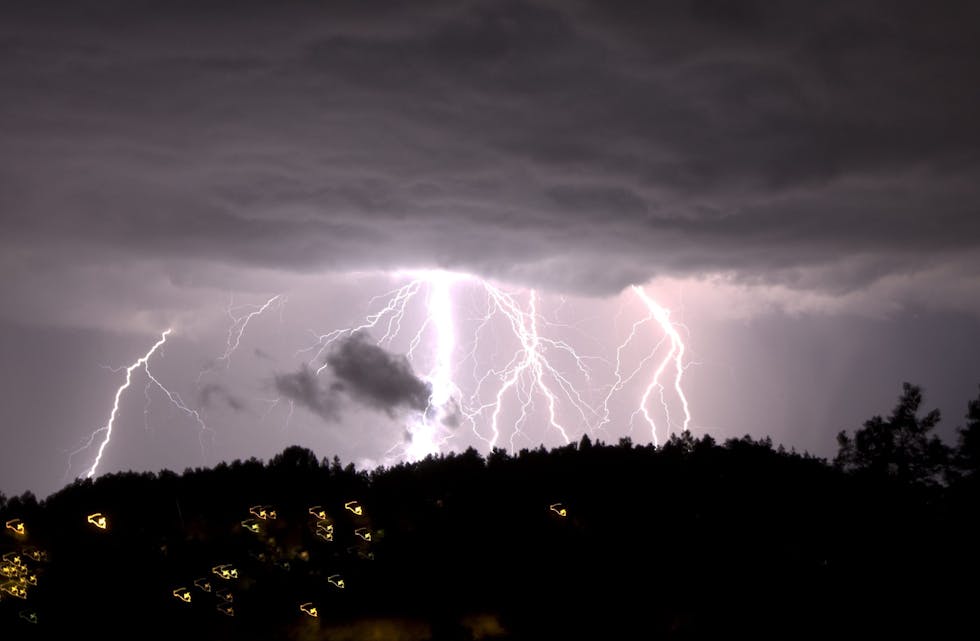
[503, 398]
[529, 373]
[106, 430]
[675, 354]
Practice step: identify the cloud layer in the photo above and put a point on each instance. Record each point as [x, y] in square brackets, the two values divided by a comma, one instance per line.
[578, 144]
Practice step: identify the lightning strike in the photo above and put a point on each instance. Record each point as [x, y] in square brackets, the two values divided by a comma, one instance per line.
[394, 311]
[179, 404]
[239, 323]
[527, 372]
[675, 354]
[107, 428]
[543, 377]
[173, 397]
[428, 433]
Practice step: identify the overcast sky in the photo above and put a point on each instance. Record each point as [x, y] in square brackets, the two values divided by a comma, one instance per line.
[798, 181]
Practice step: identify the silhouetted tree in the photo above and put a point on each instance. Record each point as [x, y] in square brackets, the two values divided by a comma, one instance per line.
[899, 447]
[967, 456]
[682, 443]
[733, 525]
[295, 457]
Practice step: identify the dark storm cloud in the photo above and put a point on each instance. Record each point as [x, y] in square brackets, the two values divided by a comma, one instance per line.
[306, 389]
[375, 377]
[211, 392]
[359, 370]
[582, 144]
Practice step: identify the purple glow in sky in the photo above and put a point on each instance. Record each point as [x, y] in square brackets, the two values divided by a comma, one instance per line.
[797, 184]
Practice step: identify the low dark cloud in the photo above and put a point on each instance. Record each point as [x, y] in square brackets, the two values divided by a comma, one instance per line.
[307, 390]
[376, 378]
[360, 371]
[582, 144]
[211, 393]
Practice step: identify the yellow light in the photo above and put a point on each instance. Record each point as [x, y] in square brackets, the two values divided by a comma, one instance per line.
[263, 512]
[251, 525]
[30, 579]
[226, 609]
[354, 507]
[17, 526]
[36, 554]
[226, 571]
[336, 580]
[558, 509]
[183, 594]
[10, 570]
[15, 559]
[318, 512]
[202, 584]
[225, 595]
[14, 589]
[325, 534]
[29, 615]
[326, 525]
[364, 533]
[98, 520]
[309, 609]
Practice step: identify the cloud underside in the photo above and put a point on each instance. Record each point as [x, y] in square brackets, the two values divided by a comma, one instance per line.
[357, 370]
[579, 145]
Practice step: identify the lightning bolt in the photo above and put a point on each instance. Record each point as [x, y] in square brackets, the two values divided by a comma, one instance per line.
[107, 428]
[675, 354]
[178, 402]
[529, 375]
[393, 310]
[544, 376]
[174, 398]
[429, 432]
[527, 372]
[239, 323]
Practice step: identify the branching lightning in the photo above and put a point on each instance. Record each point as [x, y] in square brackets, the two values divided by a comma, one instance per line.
[239, 323]
[174, 398]
[107, 428]
[521, 371]
[675, 354]
[527, 372]
[506, 393]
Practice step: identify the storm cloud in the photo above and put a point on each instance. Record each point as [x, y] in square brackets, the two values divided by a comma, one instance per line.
[359, 370]
[580, 144]
[375, 377]
[306, 389]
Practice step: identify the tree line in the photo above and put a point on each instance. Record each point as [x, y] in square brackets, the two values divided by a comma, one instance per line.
[592, 540]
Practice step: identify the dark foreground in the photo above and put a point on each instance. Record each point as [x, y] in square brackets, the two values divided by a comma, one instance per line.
[690, 540]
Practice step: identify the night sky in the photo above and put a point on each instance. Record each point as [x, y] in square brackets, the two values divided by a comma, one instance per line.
[798, 182]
